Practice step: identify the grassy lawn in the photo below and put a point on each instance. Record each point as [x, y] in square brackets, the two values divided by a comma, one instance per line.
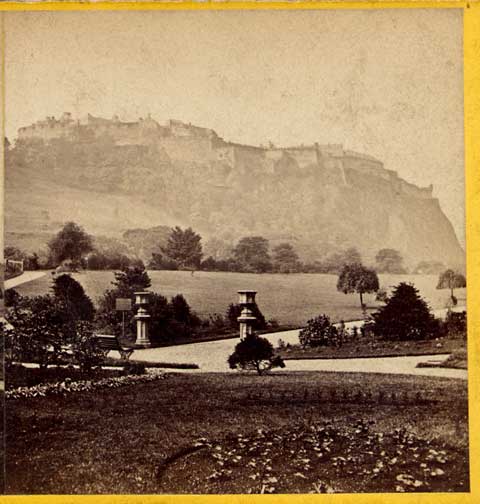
[290, 299]
[240, 433]
[369, 347]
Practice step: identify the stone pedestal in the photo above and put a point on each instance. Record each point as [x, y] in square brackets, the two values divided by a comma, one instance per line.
[247, 318]
[142, 319]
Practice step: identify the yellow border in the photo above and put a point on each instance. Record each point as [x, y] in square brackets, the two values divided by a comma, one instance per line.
[472, 182]
[40, 5]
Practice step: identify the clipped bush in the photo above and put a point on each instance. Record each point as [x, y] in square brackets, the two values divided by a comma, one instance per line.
[254, 353]
[319, 332]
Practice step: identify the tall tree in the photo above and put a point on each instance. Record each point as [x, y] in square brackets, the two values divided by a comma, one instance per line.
[131, 279]
[184, 247]
[389, 261]
[285, 259]
[357, 278]
[73, 299]
[70, 243]
[450, 279]
[405, 316]
[252, 253]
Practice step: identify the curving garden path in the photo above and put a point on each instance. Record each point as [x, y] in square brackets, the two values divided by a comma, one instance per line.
[211, 356]
[26, 276]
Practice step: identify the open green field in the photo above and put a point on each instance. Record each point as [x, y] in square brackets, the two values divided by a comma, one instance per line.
[290, 299]
[240, 433]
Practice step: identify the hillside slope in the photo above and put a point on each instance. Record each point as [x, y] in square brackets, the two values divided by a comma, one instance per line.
[318, 199]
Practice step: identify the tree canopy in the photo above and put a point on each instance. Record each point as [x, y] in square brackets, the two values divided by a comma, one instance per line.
[252, 254]
[184, 247]
[405, 316]
[357, 278]
[285, 259]
[336, 261]
[71, 243]
[130, 280]
[389, 261]
[450, 279]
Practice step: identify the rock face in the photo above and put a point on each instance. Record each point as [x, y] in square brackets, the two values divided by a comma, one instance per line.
[110, 175]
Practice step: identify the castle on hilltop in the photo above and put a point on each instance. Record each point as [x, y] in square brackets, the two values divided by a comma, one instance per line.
[186, 142]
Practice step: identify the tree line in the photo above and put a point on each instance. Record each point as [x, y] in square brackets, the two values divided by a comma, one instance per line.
[73, 248]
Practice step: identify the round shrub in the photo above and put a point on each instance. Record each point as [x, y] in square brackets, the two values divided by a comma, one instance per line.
[255, 353]
[319, 332]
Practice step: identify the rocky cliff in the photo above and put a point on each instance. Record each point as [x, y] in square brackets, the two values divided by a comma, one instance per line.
[110, 176]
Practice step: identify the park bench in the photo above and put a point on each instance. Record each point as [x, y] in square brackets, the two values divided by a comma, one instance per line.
[108, 342]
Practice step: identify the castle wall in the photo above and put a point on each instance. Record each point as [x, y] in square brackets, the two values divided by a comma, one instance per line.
[248, 158]
[181, 129]
[303, 157]
[366, 166]
[188, 148]
[186, 142]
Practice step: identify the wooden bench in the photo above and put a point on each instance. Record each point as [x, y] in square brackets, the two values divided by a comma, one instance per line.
[108, 342]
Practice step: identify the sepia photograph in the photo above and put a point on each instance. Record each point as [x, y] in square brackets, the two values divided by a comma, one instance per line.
[234, 252]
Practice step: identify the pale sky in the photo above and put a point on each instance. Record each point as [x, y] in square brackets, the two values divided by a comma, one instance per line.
[388, 83]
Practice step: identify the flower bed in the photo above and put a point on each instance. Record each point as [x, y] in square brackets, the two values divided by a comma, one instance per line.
[68, 387]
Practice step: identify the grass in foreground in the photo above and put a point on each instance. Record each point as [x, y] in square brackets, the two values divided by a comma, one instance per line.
[162, 437]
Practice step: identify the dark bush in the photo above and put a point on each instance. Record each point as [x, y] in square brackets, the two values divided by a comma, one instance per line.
[71, 295]
[255, 353]
[455, 324]
[319, 331]
[405, 316]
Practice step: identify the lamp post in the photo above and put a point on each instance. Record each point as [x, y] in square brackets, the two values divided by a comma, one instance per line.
[142, 318]
[247, 318]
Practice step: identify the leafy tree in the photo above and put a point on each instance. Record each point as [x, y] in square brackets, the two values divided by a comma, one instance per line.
[389, 261]
[252, 254]
[336, 261]
[218, 249]
[319, 331]
[130, 280]
[71, 243]
[184, 247]
[450, 279]
[405, 316]
[234, 311]
[73, 298]
[357, 278]
[285, 259]
[41, 325]
[161, 262]
[256, 353]
[127, 281]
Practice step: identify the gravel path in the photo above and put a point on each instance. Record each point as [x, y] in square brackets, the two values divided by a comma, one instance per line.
[212, 356]
[26, 276]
